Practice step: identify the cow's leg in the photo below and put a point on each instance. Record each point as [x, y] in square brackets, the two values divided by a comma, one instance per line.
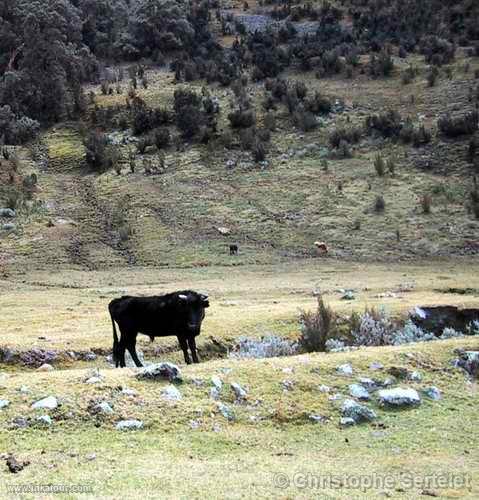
[184, 347]
[192, 346]
[131, 346]
[121, 353]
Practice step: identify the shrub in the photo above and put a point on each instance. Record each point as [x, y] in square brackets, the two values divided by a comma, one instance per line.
[142, 144]
[426, 202]
[99, 154]
[267, 347]
[270, 121]
[17, 129]
[162, 138]
[317, 327]
[408, 75]
[242, 119]
[432, 76]
[305, 120]
[318, 104]
[350, 135]
[381, 65]
[379, 165]
[259, 152]
[375, 328]
[379, 204]
[247, 137]
[388, 124]
[460, 125]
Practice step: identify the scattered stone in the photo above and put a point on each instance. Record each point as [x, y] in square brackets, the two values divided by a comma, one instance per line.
[194, 424]
[171, 393]
[415, 376]
[399, 397]
[359, 392]
[197, 381]
[4, 403]
[217, 382]
[345, 369]
[24, 389]
[359, 413]
[348, 295]
[89, 356]
[223, 230]
[368, 383]
[288, 385]
[20, 422]
[317, 419]
[8, 213]
[93, 380]
[376, 365]
[239, 392]
[49, 403]
[226, 411]
[216, 427]
[128, 425]
[15, 466]
[433, 393]
[214, 393]
[91, 456]
[8, 227]
[388, 382]
[160, 371]
[128, 392]
[324, 388]
[336, 397]
[45, 420]
[103, 408]
[468, 361]
[346, 421]
[45, 368]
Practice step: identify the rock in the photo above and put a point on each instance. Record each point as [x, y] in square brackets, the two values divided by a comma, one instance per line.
[348, 295]
[433, 393]
[128, 392]
[317, 419]
[415, 376]
[288, 385]
[217, 382]
[45, 368]
[93, 380]
[20, 422]
[346, 421]
[368, 383]
[171, 393]
[89, 356]
[49, 403]
[359, 413]
[91, 456]
[226, 411]
[44, 420]
[8, 213]
[345, 369]
[8, 227]
[194, 424]
[468, 361]
[103, 408]
[359, 392]
[399, 397]
[24, 389]
[223, 230]
[128, 425]
[4, 403]
[160, 371]
[324, 388]
[375, 365]
[15, 465]
[214, 393]
[336, 397]
[436, 318]
[239, 392]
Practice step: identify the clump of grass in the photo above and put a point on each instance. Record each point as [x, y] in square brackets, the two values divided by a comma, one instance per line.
[426, 202]
[379, 165]
[317, 327]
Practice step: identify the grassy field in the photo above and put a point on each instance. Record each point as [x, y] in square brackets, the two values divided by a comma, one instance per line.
[271, 438]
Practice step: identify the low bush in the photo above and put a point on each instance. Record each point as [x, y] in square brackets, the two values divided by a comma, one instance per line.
[459, 125]
[317, 327]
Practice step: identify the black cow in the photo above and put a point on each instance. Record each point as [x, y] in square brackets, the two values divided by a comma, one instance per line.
[178, 313]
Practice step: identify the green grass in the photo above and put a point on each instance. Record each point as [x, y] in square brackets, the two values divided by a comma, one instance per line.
[170, 459]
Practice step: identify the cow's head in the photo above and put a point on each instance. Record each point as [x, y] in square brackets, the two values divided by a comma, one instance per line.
[194, 305]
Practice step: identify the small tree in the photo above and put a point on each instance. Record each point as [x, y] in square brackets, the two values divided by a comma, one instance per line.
[317, 327]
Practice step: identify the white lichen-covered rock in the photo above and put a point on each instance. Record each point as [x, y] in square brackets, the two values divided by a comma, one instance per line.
[376, 365]
[171, 393]
[49, 403]
[399, 397]
[368, 383]
[359, 392]
[324, 388]
[93, 380]
[415, 376]
[4, 403]
[45, 368]
[433, 393]
[160, 371]
[317, 419]
[345, 369]
[45, 420]
[216, 382]
[346, 421]
[128, 425]
[238, 391]
[103, 408]
[358, 412]
[226, 411]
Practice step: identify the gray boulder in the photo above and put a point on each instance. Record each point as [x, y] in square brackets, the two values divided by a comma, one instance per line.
[8, 227]
[4, 403]
[7, 213]
[103, 408]
[399, 397]
[346, 421]
[359, 413]
[359, 392]
[239, 392]
[433, 393]
[129, 425]
[49, 403]
[345, 369]
[226, 411]
[160, 371]
[171, 393]
[216, 382]
[44, 420]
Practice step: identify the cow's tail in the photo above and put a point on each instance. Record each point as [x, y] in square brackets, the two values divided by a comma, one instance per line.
[116, 343]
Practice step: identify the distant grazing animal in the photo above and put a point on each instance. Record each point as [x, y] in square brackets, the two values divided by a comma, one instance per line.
[179, 313]
[233, 249]
[322, 247]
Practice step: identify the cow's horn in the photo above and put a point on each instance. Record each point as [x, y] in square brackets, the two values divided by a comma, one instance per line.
[204, 296]
[183, 297]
